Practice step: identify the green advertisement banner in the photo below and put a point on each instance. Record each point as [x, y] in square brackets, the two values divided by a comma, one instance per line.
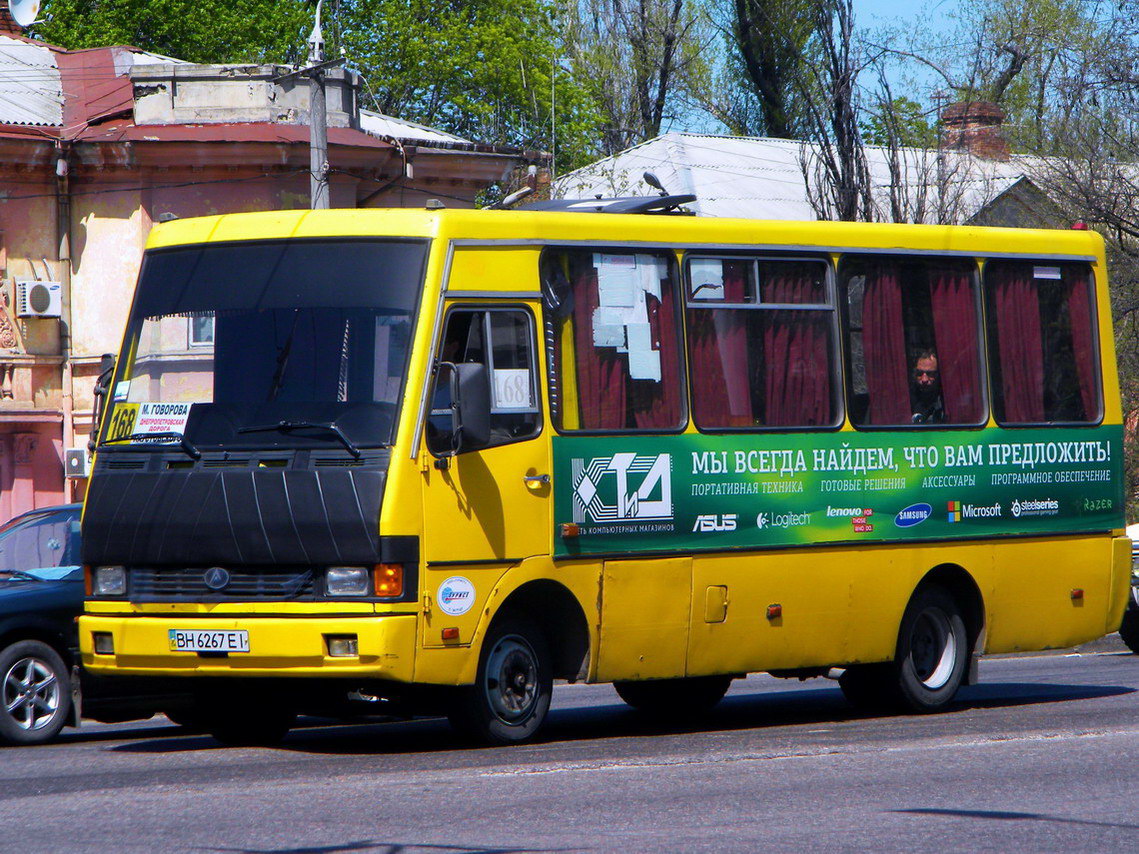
[693, 492]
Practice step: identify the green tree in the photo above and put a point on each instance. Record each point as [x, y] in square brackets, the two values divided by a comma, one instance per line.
[207, 31]
[899, 121]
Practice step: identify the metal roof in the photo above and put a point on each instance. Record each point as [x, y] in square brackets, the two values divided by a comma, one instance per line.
[760, 178]
[381, 125]
[31, 92]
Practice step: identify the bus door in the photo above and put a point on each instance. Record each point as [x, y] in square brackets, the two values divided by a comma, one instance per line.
[487, 509]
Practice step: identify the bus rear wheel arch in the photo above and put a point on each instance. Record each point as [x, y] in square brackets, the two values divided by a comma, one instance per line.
[939, 630]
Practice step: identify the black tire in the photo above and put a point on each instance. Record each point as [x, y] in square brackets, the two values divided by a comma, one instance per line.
[185, 717]
[35, 693]
[674, 698]
[1129, 628]
[511, 695]
[929, 665]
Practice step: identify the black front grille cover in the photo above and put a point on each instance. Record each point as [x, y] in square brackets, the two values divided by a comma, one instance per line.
[172, 583]
[224, 517]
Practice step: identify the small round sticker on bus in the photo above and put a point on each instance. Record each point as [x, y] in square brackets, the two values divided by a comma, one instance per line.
[456, 596]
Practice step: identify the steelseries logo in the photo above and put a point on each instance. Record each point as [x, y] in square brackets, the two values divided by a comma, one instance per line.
[710, 522]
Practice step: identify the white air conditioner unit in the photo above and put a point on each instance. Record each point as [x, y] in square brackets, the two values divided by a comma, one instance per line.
[76, 462]
[38, 299]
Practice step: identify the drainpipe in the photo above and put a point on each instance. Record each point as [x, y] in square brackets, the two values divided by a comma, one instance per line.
[63, 254]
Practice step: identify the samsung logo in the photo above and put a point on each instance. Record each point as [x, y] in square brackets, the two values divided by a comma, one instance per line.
[915, 514]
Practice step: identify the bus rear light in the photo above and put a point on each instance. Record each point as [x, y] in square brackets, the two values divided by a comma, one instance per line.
[104, 643]
[387, 579]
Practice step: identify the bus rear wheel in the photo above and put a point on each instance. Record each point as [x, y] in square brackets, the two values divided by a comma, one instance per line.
[930, 664]
[1129, 628]
[674, 698]
[511, 695]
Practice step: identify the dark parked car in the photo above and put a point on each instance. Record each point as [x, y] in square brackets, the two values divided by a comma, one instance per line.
[42, 688]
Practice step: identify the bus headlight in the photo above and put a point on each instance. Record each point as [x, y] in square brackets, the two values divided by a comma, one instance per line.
[109, 581]
[347, 581]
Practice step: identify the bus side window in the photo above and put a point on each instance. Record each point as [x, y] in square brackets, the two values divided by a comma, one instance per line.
[761, 343]
[510, 363]
[1042, 338]
[612, 328]
[914, 341]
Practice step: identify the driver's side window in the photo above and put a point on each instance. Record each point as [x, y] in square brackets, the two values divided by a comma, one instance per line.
[501, 339]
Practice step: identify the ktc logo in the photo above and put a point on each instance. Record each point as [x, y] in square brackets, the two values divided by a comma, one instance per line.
[622, 487]
[711, 522]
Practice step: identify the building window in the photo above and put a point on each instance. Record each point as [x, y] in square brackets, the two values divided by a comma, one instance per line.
[201, 330]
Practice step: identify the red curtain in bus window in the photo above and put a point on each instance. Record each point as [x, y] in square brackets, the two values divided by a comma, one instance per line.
[657, 405]
[955, 335]
[1083, 347]
[721, 390]
[884, 348]
[1019, 343]
[600, 371]
[796, 357]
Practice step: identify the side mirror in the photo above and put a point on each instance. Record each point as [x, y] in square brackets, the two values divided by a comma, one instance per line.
[460, 411]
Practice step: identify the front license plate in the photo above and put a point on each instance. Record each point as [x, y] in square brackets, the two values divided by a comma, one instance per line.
[209, 640]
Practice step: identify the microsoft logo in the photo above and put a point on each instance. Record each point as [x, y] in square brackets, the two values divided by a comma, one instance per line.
[954, 511]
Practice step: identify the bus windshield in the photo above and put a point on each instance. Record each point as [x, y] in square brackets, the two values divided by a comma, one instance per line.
[297, 343]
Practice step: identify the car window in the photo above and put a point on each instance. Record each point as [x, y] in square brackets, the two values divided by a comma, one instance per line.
[45, 545]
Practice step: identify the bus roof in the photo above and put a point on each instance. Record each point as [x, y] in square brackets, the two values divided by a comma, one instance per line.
[542, 227]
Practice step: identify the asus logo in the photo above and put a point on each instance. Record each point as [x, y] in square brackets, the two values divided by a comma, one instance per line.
[712, 522]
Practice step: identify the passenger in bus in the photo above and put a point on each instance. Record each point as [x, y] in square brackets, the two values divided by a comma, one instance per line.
[925, 391]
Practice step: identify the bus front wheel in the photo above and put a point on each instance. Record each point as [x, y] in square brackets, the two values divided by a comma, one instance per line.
[511, 695]
[930, 664]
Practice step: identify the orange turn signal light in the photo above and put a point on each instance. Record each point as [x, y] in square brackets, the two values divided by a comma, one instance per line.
[570, 530]
[451, 633]
[774, 612]
[387, 579]
[1077, 594]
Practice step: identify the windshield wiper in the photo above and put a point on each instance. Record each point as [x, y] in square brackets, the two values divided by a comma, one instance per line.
[290, 426]
[184, 443]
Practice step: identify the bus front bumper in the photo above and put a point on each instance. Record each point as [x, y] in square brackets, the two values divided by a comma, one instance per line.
[278, 646]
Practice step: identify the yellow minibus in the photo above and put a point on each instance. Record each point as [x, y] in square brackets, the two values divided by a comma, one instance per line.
[431, 461]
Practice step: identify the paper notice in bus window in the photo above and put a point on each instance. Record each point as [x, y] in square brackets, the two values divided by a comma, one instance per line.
[1046, 273]
[512, 389]
[162, 417]
[707, 278]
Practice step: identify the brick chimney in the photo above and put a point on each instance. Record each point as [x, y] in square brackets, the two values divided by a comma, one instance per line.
[8, 25]
[974, 126]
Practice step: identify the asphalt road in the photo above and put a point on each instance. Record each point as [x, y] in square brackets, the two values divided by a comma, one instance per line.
[1043, 755]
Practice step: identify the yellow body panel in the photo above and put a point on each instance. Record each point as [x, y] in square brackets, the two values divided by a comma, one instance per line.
[647, 617]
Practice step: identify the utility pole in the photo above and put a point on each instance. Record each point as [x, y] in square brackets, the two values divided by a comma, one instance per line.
[318, 120]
